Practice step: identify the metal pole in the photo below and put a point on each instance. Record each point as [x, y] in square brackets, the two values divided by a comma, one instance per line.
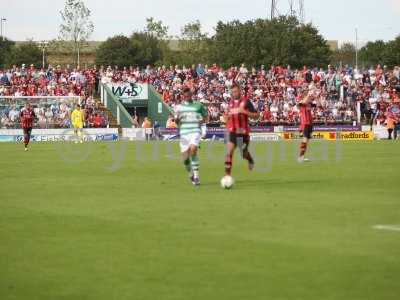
[42, 45]
[43, 57]
[79, 57]
[273, 8]
[292, 10]
[356, 49]
[302, 11]
[1, 26]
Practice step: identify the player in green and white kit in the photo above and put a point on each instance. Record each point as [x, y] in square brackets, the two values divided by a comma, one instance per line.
[189, 116]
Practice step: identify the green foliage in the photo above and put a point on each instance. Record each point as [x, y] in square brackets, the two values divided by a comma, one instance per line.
[279, 41]
[156, 28]
[25, 53]
[193, 44]
[373, 53]
[6, 47]
[115, 51]
[380, 52]
[392, 53]
[345, 55]
[140, 49]
[146, 49]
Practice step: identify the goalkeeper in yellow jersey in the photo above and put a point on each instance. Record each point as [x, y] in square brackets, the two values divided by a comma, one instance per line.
[77, 120]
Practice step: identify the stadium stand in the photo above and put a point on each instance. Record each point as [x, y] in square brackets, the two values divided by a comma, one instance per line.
[48, 91]
[274, 91]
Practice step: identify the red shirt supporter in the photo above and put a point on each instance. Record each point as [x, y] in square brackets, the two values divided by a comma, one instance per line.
[291, 116]
[58, 91]
[214, 69]
[166, 96]
[97, 121]
[267, 116]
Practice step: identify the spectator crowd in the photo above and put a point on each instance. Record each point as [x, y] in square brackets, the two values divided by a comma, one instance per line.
[43, 84]
[344, 93]
[275, 92]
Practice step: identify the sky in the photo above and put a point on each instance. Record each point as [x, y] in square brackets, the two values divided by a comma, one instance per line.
[336, 19]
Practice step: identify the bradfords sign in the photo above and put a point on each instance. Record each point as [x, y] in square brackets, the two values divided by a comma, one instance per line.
[128, 92]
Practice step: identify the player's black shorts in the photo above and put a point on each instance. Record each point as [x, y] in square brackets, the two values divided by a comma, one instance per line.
[307, 132]
[27, 131]
[241, 140]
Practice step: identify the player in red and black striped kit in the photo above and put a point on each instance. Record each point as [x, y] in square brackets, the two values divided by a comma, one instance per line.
[306, 122]
[27, 117]
[238, 128]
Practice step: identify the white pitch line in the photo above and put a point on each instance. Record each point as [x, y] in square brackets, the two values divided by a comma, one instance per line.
[387, 227]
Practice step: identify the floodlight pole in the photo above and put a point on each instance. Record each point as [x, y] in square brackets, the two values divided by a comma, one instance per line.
[42, 57]
[43, 46]
[1, 27]
[273, 8]
[296, 9]
[79, 57]
[302, 14]
[292, 10]
[356, 49]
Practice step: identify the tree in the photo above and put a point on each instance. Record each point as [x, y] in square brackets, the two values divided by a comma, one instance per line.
[77, 26]
[193, 44]
[156, 28]
[146, 49]
[6, 47]
[25, 53]
[115, 51]
[227, 47]
[373, 53]
[392, 53]
[308, 47]
[141, 48]
[345, 55]
[283, 41]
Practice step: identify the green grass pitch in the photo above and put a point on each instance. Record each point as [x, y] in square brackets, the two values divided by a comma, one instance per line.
[118, 221]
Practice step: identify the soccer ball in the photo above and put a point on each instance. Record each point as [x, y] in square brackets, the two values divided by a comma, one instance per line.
[227, 182]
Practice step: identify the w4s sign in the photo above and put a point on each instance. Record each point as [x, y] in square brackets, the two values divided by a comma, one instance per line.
[128, 92]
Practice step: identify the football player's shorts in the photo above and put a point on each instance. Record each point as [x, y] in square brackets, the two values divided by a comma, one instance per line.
[27, 131]
[78, 125]
[239, 140]
[307, 131]
[191, 139]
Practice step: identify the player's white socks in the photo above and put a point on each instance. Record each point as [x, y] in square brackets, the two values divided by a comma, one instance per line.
[195, 166]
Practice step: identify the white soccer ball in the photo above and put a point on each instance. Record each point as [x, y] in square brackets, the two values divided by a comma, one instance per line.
[227, 182]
